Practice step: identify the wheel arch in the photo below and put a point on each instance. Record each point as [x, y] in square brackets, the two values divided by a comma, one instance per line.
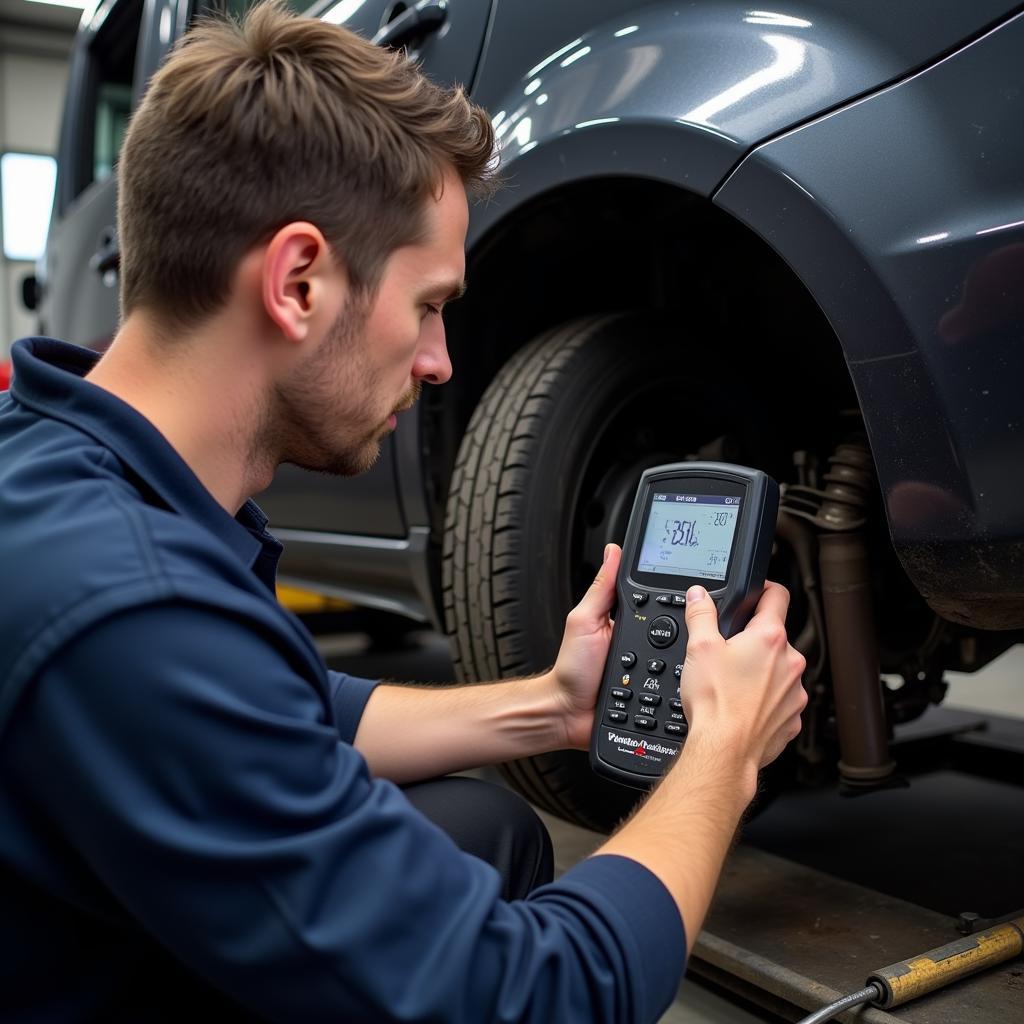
[618, 243]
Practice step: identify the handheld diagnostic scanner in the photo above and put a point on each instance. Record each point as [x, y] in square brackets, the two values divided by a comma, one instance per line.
[704, 523]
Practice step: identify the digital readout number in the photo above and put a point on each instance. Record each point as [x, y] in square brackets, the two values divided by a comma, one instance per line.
[683, 532]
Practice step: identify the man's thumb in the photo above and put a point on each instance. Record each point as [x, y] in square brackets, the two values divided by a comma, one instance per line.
[701, 614]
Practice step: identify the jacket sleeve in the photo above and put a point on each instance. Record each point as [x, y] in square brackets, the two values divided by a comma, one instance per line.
[349, 695]
[202, 782]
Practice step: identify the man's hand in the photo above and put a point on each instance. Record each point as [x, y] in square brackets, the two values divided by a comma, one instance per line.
[576, 676]
[743, 699]
[746, 691]
[451, 728]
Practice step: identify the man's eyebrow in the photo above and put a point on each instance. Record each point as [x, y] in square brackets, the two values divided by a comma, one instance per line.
[456, 291]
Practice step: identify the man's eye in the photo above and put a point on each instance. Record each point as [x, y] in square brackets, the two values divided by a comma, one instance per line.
[432, 310]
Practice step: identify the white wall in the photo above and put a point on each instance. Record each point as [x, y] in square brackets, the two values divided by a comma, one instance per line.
[31, 103]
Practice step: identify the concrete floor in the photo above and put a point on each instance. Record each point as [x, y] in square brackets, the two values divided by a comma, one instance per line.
[997, 689]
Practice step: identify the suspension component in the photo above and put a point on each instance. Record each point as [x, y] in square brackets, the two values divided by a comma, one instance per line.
[839, 513]
[853, 656]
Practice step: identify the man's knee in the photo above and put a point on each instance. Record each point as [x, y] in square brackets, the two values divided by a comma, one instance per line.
[492, 823]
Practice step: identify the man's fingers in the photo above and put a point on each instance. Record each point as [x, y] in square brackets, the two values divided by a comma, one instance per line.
[774, 602]
[701, 617]
[599, 599]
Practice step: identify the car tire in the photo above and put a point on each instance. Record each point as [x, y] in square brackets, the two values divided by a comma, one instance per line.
[545, 475]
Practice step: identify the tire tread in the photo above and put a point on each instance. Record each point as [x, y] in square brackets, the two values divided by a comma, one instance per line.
[483, 548]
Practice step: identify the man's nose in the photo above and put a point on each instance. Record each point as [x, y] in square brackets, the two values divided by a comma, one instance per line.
[432, 363]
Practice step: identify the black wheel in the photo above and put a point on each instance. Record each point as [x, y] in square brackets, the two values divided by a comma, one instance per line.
[546, 476]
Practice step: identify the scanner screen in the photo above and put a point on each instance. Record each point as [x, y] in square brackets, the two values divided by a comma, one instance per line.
[689, 535]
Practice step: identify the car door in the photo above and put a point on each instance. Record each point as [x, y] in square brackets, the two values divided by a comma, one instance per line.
[78, 280]
[116, 50]
[444, 36]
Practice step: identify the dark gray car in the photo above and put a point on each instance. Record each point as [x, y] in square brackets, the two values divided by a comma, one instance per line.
[790, 238]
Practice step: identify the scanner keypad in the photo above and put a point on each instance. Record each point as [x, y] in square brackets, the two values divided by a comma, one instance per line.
[657, 707]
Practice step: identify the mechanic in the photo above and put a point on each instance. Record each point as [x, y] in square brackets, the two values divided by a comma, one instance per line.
[198, 815]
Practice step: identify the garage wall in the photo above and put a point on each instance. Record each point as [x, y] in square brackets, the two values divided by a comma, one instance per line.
[31, 102]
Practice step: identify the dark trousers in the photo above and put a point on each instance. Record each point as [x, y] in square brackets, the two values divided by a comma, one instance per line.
[492, 823]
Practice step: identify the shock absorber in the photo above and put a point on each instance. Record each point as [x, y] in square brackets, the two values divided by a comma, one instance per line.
[850, 621]
[839, 513]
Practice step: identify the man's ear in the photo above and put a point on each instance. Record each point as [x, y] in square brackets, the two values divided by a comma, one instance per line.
[300, 280]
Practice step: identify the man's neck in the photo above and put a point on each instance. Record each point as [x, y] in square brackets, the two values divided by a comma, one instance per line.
[204, 397]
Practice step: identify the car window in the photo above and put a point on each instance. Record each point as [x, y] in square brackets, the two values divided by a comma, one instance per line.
[113, 105]
[110, 77]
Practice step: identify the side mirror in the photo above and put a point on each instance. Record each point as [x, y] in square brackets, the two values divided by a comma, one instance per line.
[30, 292]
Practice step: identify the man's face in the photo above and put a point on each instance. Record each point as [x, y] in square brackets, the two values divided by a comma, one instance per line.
[337, 407]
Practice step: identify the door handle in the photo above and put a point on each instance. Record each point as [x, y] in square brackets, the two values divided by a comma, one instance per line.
[413, 24]
[107, 258]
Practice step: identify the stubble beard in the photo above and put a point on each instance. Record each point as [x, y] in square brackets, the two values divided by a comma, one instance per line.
[297, 420]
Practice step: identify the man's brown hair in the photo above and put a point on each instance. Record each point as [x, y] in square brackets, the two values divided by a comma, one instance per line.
[248, 127]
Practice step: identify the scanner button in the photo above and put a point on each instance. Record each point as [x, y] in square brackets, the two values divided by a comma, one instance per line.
[664, 599]
[654, 699]
[627, 660]
[639, 598]
[654, 666]
[620, 694]
[674, 730]
[644, 723]
[678, 600]
[663, 631]
[616, 716]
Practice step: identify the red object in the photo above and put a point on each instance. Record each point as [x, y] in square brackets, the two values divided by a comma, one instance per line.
[5, 374]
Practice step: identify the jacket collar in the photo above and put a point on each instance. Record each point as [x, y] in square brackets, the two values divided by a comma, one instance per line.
[48, 378]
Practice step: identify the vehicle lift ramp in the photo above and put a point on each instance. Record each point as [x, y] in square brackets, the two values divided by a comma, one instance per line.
[782, 936]
[791, 938]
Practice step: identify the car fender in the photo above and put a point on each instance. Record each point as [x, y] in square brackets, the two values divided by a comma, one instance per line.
[902, 214]
[681, 93]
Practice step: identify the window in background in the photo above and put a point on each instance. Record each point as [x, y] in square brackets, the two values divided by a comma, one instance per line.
[27, 184]
[113, 108]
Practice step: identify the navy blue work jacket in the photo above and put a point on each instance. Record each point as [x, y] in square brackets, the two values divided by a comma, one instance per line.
[185, 826]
